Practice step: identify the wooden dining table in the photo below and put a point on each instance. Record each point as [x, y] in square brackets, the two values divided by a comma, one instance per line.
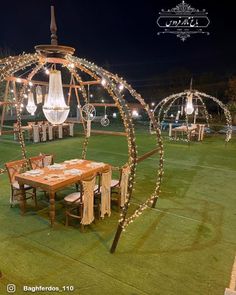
[184, 129]
[56, 177]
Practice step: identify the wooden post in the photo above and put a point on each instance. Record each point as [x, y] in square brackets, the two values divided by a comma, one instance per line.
[4, 106]
[53, 27]
[116, 239]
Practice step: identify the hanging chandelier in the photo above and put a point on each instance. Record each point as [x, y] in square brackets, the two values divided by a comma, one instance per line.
[189, 104]
[55, 109]
[31, 107]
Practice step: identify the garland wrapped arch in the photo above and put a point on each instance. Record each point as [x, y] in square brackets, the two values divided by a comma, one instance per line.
[170, 100]
[11, 65]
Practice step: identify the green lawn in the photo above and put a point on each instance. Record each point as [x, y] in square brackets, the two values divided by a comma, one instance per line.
[186, 246]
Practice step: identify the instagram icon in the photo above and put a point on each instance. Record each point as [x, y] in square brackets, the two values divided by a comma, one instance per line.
[11, 288]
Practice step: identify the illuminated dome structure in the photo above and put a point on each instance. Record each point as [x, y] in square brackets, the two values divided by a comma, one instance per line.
[188, 103]
[55, 59]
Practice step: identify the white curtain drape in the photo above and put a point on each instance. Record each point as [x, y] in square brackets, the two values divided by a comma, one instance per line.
[88, 200]
[106, 194]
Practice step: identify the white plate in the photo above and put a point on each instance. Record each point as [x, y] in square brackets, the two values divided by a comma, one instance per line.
[95, 164]
[73, 172]
[54, 177]
[56, 166]
[34, 172]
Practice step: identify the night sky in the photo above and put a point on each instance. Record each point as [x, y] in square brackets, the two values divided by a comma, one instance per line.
[122, 35]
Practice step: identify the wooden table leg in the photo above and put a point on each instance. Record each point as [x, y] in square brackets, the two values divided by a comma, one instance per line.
[22, 199]
[52, 207]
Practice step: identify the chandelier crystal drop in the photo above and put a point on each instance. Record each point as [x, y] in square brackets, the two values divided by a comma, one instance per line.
[189, 105]
[55, 109]
[31, 107]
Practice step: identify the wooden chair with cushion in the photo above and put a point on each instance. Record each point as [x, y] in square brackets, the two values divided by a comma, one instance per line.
[14, 168]
[48, 160]
[80, 204]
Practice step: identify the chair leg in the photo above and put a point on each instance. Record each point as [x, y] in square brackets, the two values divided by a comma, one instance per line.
[12, 198]
[67, 219]
[81, 227]
[77, 187]
[35, 197]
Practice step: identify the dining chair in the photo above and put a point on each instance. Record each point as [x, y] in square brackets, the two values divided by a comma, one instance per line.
[120, 186]
[102, 193]
[48, 159]
[50, 131]
[44, 132]
[60, 131]
[36, 135]
[71, 129]
[41, 161]
[80, 204]
[13, 168]
[36, 162]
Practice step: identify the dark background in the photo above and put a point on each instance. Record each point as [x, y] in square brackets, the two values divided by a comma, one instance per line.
[122, 37]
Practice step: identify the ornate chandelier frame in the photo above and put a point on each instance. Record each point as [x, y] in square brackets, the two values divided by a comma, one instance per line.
[63, 55]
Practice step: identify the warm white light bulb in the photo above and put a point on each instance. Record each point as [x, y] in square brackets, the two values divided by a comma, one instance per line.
[104, 82]
[121, 87]
[72, 66]
[114, 115]
[31, 84]
[152, 104]
[189, 105]
[135, 113]
[18, 80]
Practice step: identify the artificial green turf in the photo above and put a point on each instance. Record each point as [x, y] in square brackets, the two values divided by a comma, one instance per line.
[185, 246]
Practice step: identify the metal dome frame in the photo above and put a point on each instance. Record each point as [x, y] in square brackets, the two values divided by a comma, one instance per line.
[165, 104]
[63, 55]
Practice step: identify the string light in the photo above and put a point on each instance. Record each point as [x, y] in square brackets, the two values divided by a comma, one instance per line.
[169, 101]
[111, 84]
[121, 87]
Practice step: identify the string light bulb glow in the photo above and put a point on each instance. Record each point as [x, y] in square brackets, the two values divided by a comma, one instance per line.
[121, 87]
[135, 114]
[189, 104]
[104, 82]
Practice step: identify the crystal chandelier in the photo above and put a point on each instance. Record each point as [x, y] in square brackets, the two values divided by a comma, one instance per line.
[189, 105]
[55, 109]
[31, 107]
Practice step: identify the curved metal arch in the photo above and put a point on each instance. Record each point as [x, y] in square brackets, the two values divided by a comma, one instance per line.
[20, 63]
[227, 114]
[111, 87]
[123, 223]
